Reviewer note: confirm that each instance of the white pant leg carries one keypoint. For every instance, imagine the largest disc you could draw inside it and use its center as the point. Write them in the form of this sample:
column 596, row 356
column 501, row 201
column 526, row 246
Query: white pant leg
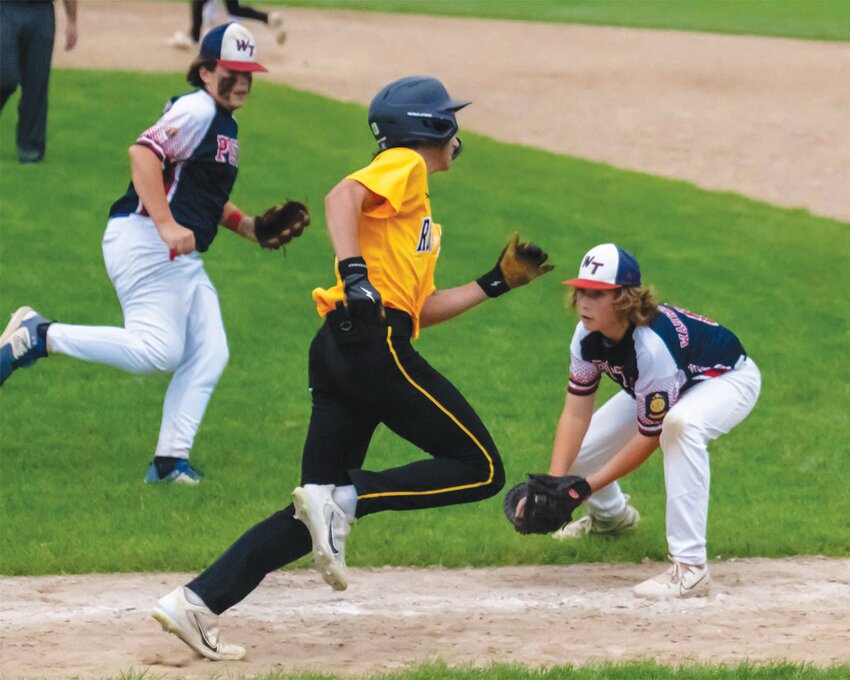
column 614, row 424
column 704, row 412
column 155, row 295
column 203, row 362
column 214, row 13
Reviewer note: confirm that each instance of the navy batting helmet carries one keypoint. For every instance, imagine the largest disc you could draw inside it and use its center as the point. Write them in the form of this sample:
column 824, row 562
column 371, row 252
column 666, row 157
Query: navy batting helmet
column 413, row 109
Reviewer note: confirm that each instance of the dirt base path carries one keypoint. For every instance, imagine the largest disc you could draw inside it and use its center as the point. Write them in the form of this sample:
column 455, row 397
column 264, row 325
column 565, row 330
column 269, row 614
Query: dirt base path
column 767, row 118
column 99, row 625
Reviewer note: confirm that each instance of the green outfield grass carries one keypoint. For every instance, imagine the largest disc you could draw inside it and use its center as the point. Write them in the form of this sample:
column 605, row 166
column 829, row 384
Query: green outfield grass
column 76, row 438
column 629, row 671
column 810, row 19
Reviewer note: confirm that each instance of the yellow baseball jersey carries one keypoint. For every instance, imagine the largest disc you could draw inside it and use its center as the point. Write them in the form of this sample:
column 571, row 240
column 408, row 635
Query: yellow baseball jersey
column 398, row 238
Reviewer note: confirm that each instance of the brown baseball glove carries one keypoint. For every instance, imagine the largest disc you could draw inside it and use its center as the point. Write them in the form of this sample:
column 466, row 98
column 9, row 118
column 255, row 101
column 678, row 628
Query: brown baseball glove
column 279, row 225
column 519, row 263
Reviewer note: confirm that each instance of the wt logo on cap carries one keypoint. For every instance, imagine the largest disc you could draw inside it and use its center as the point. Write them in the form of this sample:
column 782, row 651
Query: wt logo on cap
column 590, row 262
column 606, row 266
column 244, row 46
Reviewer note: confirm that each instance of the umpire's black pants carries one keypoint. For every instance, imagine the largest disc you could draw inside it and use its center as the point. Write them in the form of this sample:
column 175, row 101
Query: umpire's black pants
column 362, row 375
column 26, row 47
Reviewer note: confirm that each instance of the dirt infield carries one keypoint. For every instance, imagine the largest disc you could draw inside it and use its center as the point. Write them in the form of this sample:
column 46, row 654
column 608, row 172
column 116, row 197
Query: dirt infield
column 99, row 625
column 766, row 118
column 763, row 117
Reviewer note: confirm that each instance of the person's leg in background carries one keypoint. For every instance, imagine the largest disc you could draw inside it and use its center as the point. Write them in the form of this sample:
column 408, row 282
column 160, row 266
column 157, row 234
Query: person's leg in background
column 274, row 20
column 28, row 31
column 11, row 26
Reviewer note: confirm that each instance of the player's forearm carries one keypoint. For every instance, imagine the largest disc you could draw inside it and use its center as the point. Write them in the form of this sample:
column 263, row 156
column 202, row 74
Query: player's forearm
column 443, row 305
column 235, row 220
column 629, row 458
column 147, row 179
column 569, row 435
column 342, row 211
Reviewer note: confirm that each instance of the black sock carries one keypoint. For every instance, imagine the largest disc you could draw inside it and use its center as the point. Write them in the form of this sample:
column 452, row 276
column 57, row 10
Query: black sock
column 41, row 331
column 164, row 465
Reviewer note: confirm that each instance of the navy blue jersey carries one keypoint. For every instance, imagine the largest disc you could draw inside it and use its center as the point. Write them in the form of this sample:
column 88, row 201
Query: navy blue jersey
column 655, row 363
column 196, row 141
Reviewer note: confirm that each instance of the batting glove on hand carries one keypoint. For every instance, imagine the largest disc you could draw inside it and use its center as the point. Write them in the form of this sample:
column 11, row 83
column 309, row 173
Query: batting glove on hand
column 518, row 264
column 362, row 299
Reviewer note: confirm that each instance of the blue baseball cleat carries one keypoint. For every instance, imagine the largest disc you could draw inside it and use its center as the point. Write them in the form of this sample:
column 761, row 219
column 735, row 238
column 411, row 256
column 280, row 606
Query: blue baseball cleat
column 183, row 473
column 21, row 344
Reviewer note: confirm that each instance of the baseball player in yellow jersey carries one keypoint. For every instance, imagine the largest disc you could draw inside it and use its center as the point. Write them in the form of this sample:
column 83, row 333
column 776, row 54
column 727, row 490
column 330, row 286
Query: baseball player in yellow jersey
column 364, row 371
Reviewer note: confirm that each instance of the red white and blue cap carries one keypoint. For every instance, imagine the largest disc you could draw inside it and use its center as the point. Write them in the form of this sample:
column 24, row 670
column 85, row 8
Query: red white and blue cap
column 605, row 267
column 232, row 46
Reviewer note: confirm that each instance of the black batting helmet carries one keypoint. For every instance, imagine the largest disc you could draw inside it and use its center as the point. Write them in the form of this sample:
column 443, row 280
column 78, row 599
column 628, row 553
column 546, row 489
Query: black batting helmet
column 413, row 109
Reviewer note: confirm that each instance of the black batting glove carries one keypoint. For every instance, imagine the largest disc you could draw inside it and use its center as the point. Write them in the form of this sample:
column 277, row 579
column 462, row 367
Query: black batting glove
column 362, row 299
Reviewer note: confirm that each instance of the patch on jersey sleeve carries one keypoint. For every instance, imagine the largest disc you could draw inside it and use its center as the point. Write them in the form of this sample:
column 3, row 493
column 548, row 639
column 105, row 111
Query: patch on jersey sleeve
column 657, row 405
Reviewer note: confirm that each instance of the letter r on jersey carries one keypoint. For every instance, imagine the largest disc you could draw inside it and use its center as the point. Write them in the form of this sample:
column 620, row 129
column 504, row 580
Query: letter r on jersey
column 424, row 245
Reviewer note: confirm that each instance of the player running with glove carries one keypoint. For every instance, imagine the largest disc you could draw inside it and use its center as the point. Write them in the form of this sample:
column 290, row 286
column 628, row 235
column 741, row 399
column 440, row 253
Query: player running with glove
column 685, row 381
column 183, row 170
column 363, row 369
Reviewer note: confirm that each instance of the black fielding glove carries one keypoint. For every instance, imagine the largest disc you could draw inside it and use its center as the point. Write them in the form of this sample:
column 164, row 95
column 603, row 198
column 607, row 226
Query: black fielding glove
column 549, row 502
column 362, row 299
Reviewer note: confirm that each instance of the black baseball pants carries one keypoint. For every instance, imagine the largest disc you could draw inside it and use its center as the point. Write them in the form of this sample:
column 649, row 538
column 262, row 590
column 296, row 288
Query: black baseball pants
column 363, row 374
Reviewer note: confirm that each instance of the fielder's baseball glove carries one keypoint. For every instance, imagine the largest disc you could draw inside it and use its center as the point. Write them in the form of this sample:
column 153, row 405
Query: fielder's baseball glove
column 519, row 263
column 279, row 225
column 549, row 502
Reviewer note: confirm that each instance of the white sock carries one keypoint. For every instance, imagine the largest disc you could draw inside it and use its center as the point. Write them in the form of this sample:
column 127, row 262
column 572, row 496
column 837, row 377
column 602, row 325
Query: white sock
column 346, row 498
column 193, row 597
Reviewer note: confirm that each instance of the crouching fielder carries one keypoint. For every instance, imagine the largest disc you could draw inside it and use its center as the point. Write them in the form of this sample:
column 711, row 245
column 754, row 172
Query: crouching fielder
column 685, row 381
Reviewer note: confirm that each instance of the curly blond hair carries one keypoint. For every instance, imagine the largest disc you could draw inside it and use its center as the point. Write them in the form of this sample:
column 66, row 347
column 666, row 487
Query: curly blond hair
column 634, row 303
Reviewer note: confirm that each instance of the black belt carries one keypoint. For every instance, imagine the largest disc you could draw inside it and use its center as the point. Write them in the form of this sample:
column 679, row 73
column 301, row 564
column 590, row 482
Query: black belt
column 346, row 329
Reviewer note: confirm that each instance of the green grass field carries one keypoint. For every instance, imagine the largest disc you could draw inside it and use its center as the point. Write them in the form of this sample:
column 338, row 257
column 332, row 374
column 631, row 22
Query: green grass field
column 76, row 438
column 630, row 671
column 90, row 430
column 810, row 19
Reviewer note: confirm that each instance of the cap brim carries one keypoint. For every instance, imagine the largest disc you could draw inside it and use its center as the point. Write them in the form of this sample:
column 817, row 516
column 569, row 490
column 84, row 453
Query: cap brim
column 243, row 66
column 455, row 105
column 589, row 283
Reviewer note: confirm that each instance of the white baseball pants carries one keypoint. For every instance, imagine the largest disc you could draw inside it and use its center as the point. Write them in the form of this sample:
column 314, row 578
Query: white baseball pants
column 172, row 322
column 704, row 412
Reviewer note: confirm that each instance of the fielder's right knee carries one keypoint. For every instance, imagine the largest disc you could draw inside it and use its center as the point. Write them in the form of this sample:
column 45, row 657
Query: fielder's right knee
column 153, row 356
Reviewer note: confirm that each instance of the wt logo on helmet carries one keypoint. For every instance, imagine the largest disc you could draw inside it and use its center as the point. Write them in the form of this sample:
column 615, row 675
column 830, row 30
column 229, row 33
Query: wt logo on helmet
column 244, row 46
column 590, row 262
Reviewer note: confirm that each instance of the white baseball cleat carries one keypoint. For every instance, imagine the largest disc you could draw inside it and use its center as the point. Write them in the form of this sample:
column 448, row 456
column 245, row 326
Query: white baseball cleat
column 679, row 581
column 276, row 25
column 329, row 527
column 196, row 625
column 180, row 40
column 628, row 519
